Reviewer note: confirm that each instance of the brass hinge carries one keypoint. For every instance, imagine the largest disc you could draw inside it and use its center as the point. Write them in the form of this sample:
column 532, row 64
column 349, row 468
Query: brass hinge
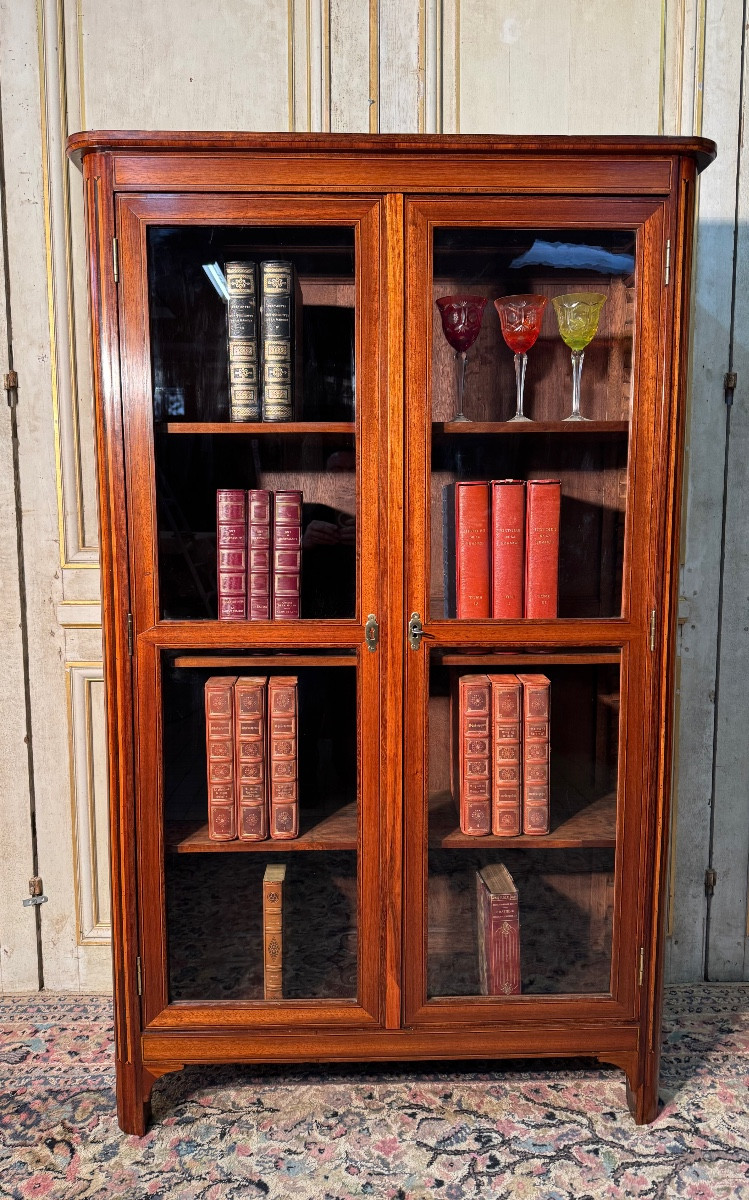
column 641, row 970
column 711, row 878
column 130, row 634
column 371, row 632
column 652, row 630
column 10, row 383
column 667, row 272
column 730, row 382
column 36, row 893
column 139, row 976
column 115, row 260
column 415, row 631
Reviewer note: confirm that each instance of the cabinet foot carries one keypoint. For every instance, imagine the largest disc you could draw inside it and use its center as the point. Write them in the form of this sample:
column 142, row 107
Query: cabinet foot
column 642, row 1098
column 134, row 1085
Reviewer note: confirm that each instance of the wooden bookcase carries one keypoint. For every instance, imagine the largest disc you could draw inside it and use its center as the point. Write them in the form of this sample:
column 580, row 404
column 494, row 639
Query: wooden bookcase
column 380, row 938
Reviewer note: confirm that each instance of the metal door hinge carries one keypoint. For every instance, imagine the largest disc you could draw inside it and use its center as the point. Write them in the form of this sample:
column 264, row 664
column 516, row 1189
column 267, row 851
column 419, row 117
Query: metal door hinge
column 730, row 382
column 371, row 632
column 711, row 878
column 641, row 970
column 415, row 631
column 130, row 634
column 139, row 976
column 36, row 893
column 10, row 383
column 652, row 630
column 667, row 272
column 115, row 260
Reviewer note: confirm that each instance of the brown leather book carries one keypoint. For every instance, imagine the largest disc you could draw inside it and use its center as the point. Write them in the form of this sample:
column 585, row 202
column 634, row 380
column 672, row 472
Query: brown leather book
column 244, row 380
column 259, row 511
column 472, row 550
column 498, row 931
column 219, row 745
column 287, row 556
column 250, row 746
column 474, row 753
column 231, row 543
column 507, row 697
column 273, row 882
column 536, row 753
column 284, row 775
column 508, row 547
column 542, row 548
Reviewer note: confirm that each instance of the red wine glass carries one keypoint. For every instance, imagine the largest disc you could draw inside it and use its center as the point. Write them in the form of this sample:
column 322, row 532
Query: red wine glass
column 461, row 324
column 520, row 317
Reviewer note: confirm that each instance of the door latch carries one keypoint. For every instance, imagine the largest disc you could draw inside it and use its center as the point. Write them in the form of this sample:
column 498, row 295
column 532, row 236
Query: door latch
column 415, row 631
column 36, row 893
column 371, row 632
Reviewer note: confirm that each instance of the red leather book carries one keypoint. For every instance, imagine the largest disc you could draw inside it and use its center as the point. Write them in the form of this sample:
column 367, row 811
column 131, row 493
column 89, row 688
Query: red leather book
column 536, row 753
column 284, row 775
column 472, row 550
column 498, row 931
column 259, row 509
column 507, row 697
column 508, row 547
column 474, row 754
column 231, row 541
column 219, row 742
column 250, row 744
column 287, row 556
column 542, row 548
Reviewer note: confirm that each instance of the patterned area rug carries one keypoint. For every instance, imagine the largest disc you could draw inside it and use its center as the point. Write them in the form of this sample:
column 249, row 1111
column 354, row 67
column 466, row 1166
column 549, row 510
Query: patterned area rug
column 393, row 1133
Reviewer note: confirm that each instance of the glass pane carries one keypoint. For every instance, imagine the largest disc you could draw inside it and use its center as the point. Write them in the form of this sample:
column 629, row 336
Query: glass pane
column 226, row 938
column 523, row 754
column 490, row 376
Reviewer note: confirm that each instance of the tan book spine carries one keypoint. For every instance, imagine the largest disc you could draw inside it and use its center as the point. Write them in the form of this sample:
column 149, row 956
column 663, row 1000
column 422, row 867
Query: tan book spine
column 273, row 881
column 282, row 720
column 219, row 740
column 474, row 750
column 536, row 753
column 507, row 697
column 250, row 748
column 498, row 931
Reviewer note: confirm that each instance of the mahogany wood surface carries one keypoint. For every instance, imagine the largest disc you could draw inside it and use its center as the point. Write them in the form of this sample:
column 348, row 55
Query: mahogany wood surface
column 393, row 192
column 333, row 831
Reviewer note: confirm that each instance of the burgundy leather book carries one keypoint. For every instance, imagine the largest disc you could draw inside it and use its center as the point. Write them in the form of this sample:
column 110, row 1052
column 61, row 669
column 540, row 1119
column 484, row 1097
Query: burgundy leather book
column 508, row 547
column 250, row 747
column 231, row 542
column 542, row 548
column 284, row 774
column 219, row 743
column 536, row 753
column 474, row 754
column 287, row 556
column 472, row 550
column 507, row 696
column 498, row 931
column 259, row 512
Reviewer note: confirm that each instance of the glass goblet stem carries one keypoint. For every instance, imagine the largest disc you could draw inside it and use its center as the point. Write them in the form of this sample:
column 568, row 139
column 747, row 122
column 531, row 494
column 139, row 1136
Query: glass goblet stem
column 577, row 370
column 460, row 363
column 521, row 361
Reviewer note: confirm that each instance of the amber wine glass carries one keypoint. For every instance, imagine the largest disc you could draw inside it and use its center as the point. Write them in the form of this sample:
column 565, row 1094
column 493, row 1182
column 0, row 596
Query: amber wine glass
column 520, row 318
column 461, row 325
column 577, row 314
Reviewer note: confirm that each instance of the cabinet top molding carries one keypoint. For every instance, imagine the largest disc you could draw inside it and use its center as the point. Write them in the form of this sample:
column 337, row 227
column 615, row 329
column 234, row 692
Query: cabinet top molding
column 159, row 142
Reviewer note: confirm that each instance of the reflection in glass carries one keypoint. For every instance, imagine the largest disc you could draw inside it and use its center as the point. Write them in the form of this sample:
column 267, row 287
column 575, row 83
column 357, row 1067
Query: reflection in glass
column 461, row 324
column 577, row 314
column 520, row 317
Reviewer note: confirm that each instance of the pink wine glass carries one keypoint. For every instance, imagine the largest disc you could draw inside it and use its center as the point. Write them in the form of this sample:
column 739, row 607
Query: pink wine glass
column 461, row 324
column 520, row 317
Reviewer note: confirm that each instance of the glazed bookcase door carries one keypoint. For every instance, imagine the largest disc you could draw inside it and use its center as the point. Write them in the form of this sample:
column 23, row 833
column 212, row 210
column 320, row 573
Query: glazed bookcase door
column 204, row 946
column 580, row 932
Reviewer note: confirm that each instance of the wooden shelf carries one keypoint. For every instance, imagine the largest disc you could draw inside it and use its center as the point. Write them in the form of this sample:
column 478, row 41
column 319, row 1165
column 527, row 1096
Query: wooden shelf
column 569, row 428
column 266, row 660
column 335, row 831
column 257, row 428
column 587, row 828
column 520, row 658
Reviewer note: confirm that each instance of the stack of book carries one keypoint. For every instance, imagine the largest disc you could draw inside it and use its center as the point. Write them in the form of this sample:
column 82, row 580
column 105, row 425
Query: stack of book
column 501, row 548
column 264, row 341
column 259, row 550
column 500, row 754
column 251, row 751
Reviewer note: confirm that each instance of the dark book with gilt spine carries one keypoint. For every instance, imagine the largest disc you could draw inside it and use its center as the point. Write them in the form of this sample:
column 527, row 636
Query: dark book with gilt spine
column 280, row 339
column 273, row 884
column 474, row 754
column 472, row 550
column 231, row 549
column 282, row 756
column 508, row 549
column 507, row 695
column 536, row 753
column 250, row 747
column 287, row 556
column 244, row 375
column 219, row 741
column 259, row 554
column 498, row 931
column 542, row 548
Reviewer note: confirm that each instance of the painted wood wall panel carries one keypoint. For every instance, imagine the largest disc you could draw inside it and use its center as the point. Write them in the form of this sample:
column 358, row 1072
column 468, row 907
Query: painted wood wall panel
column 351, row 76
